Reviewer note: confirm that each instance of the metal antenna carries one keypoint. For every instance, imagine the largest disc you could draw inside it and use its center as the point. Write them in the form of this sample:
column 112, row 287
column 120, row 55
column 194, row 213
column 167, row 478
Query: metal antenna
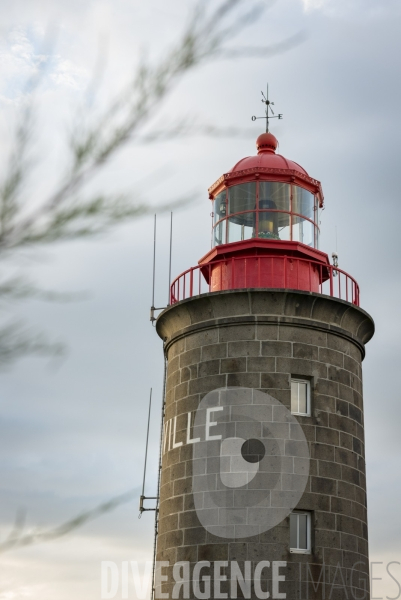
column 143, row 497
column 153, row 308
column 147, row 442
column 169, row 266
column 269, row 104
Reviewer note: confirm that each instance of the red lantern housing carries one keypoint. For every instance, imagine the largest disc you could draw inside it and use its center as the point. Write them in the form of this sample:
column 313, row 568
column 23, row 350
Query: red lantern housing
column 265, row 231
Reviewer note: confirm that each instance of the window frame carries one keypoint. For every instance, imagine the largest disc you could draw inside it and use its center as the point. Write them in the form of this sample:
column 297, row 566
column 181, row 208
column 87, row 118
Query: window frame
column 308, row 412
column 308, row 550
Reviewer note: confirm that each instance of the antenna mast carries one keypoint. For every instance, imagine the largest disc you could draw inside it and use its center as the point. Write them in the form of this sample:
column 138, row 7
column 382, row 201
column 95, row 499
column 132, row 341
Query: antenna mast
column 143, row 497
column 169, row 265
column 153, row 307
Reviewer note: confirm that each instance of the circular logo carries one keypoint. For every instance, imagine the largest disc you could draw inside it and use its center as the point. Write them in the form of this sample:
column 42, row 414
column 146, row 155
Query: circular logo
column 251, row 466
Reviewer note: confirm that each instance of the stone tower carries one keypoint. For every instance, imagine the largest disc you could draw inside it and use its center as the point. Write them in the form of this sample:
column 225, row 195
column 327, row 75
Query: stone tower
column 263, row 489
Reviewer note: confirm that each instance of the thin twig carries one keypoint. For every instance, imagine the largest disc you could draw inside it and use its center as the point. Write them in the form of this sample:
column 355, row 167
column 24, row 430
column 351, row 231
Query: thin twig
column 18, row 540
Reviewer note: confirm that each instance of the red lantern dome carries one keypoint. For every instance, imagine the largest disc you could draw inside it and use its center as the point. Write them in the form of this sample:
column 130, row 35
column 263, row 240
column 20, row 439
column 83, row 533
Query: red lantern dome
column 270, row 166
column 266, row 145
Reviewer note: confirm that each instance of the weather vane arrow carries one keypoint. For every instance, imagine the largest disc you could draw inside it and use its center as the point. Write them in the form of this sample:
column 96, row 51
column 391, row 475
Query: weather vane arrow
column 269, row 111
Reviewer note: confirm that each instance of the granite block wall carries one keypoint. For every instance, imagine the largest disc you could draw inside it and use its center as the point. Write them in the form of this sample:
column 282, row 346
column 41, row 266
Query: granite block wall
column 261, row 339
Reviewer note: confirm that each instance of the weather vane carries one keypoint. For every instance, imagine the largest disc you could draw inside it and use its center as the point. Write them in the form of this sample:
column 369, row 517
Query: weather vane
column 269, row 105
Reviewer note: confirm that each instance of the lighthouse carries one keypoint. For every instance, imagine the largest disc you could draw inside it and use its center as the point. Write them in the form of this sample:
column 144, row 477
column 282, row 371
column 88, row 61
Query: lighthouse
column 262, row 482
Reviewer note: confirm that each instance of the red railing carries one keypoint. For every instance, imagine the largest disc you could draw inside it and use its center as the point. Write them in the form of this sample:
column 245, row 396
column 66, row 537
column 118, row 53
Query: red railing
column 282, row 272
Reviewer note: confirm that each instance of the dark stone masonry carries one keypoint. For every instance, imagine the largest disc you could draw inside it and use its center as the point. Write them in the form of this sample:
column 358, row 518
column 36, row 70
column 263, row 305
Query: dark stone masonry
column 261, row 339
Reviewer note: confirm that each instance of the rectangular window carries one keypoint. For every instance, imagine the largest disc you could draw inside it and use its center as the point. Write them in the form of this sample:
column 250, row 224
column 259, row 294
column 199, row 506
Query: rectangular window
column 300, row 532
column 300, row 397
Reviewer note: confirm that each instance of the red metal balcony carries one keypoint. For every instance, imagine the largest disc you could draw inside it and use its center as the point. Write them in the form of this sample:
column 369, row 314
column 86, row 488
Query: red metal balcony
column 265, row 272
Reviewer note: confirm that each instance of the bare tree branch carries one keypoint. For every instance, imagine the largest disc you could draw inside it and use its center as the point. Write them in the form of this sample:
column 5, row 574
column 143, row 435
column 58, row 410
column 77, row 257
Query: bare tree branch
column 93, row 146
column 21, row 288
column 71, row 210
column 16, row 340
column 263, row 51
column 17, row 539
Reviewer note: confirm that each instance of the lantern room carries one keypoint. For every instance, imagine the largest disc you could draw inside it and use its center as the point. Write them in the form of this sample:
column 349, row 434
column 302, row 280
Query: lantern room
column 265, row 232
column 269, row 210
column 265, row 211
column 266, row 197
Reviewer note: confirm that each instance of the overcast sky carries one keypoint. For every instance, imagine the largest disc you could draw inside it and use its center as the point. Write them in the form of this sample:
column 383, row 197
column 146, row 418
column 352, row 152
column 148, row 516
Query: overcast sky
column 72, row 433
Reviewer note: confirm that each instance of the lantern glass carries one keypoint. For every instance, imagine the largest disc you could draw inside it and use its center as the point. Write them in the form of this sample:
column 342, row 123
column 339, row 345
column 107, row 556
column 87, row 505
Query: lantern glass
column 241, row 227
column 220, row 206
column 219, row 233
column 274, row 225
column 303, row 231
column 274, row 192
column 303, row 202
column 268, row 210
column 242, row 197
column 268, row 220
